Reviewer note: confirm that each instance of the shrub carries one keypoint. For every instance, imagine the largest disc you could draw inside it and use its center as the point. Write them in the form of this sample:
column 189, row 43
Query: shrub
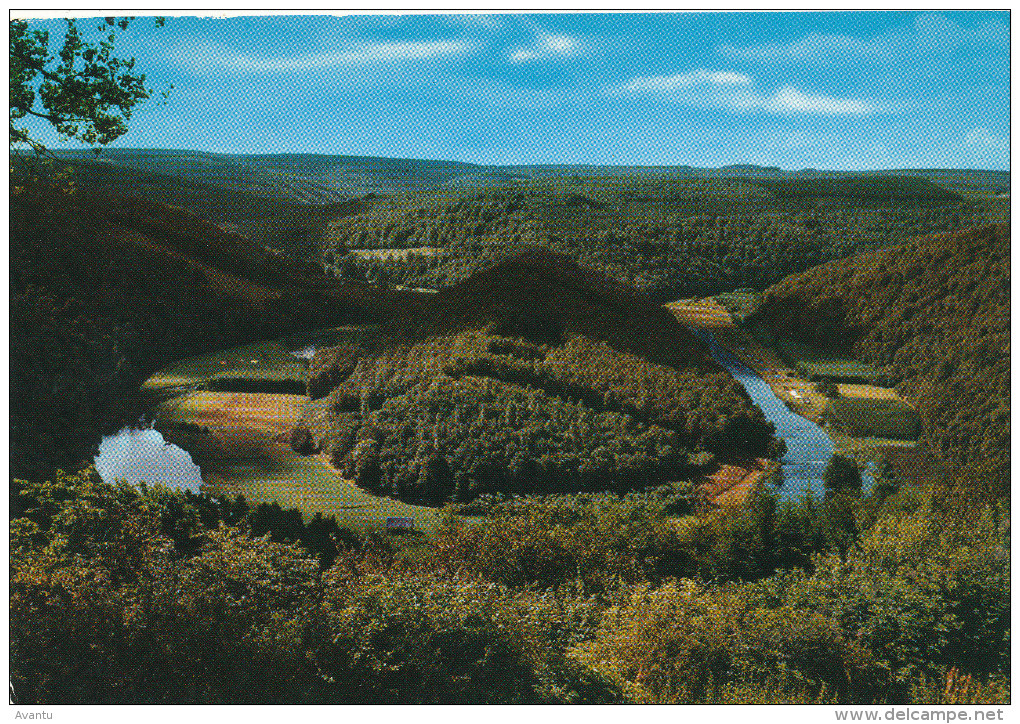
column 665, row 645
column 828, row 388
column 427, row 639
column 597, row 540
column 842, row 476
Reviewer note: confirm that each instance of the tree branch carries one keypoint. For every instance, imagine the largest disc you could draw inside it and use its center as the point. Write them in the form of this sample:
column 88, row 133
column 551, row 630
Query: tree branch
column 53, row 118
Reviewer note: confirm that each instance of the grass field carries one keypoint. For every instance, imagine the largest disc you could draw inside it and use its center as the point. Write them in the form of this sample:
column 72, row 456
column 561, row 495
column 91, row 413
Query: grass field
column 268, row 366
column 739, row 303
column 872, row 417
column 262, row 361
column 239, row 440
column 816, row 365
column 797, row 394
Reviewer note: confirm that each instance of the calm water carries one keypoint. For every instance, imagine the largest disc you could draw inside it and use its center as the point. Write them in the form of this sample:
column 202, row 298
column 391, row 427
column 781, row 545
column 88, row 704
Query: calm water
column 135, row 455
column 808, row 447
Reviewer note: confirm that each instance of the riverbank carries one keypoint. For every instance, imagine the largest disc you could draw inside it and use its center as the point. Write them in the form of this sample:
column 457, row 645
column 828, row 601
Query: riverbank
column 752, row 361
column 733, row 483
column 796, row 393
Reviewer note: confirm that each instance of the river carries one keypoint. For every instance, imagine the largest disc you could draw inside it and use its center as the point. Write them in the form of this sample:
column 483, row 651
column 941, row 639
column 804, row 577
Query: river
column 144, row 454
column 808, row 447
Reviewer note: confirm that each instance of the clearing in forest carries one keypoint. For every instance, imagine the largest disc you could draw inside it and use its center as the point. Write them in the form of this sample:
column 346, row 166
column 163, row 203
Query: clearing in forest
column 241, row 443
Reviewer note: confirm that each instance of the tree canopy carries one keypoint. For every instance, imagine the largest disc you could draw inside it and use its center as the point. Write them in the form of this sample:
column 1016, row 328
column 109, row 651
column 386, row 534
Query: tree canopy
column 83, row 90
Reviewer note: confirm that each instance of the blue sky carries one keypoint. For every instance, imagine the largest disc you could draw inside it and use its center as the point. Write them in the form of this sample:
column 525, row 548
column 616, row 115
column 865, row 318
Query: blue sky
column 822, row 90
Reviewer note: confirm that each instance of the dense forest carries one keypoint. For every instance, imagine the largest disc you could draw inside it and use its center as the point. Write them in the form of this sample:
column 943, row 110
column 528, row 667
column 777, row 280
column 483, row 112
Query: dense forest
column 548, row 378
column 136, row 595
column 679, row 238
column 933, row 314
column 559, row 414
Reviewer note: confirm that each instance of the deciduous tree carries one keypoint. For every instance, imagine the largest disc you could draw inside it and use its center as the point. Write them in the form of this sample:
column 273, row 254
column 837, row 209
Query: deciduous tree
column 85, row 91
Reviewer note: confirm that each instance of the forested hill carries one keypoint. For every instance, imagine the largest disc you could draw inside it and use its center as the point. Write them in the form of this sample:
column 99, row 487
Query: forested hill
column 534, row 376
column 672, row 237
column 934, row 314
column 105, row 290
column 547, row 297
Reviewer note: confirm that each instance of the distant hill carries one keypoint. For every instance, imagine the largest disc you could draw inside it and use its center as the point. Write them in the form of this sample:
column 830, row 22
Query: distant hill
column 750, row 168
column 670, row 235
column 535, row 375
column 277, row 200
column 934, row 314
column 867, row 189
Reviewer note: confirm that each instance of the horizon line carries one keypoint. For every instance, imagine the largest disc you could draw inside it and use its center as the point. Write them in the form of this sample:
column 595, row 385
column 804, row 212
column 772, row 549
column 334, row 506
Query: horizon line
column 518, row 165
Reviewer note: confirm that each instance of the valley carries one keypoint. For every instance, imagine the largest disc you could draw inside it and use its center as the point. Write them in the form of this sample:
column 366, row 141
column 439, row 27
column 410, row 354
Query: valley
column 513, row 358
column 566, row 403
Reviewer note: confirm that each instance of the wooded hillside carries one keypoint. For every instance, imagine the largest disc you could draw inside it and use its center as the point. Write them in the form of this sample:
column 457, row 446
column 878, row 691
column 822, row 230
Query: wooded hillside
column 933, row 313
column 106, row 290
column 536, row 375
column 673, row 237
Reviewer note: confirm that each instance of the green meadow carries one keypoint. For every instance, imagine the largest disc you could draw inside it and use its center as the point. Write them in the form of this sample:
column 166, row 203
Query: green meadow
column 815, row 365
column 869, row 417
column 234, row 422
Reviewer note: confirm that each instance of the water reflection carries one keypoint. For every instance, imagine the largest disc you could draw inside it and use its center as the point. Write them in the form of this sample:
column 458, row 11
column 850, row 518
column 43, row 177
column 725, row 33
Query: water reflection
column 142, row 454
column 808, row 447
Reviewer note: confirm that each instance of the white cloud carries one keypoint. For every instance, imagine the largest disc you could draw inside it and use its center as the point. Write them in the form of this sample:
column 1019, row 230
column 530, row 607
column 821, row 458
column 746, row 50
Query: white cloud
column 735, row 91
column 790, row 100
column 931, row 34
column 667, row 83
column 982, row 138
column 546, row 47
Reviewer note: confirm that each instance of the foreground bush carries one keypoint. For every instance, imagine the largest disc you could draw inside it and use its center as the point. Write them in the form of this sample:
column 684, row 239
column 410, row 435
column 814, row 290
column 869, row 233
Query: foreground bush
column 915, row 599
column 566, row 599
column 106, row 609
column 427, row 639
column 598, row 540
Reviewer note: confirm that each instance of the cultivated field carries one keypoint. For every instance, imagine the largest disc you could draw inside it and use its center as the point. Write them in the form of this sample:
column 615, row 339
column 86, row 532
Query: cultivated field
column 241, row 443
column 701, row 313
column 871, row 392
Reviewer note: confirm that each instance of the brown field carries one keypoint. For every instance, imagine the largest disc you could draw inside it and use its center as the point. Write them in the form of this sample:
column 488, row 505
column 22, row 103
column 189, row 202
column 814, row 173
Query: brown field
column 869, row 392
column 705, row 313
